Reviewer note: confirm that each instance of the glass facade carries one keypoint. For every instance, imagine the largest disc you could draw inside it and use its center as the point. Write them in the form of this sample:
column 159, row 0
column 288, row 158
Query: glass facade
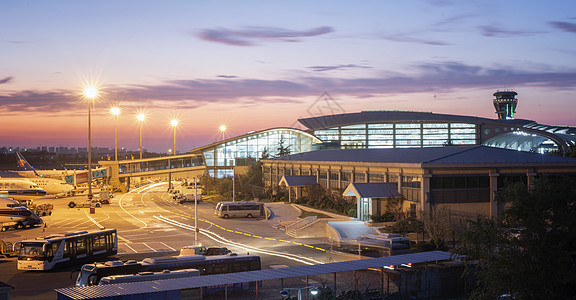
column 401, row 135
column 240, row 151
column 158, row 164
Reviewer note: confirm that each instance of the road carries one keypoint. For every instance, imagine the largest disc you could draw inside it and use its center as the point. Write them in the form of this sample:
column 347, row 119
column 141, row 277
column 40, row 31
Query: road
column 150, row 223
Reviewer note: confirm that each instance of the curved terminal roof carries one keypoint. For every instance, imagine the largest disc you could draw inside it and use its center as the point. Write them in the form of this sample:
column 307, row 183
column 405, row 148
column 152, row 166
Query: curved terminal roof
column 517, row 134
column 323, row 122
column 256, row 133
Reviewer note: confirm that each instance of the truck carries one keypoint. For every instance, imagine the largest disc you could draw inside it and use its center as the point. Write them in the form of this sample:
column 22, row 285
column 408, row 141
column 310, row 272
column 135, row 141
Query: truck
column 182, row 198
column 42, row 209
column 104, row 197
column 202, row 250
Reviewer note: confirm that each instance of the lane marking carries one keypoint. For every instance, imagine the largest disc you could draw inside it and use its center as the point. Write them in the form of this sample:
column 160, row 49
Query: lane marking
column 168, row 246
column 239, row 232
column 131, row 248
column 222, row 240
column 149, row 247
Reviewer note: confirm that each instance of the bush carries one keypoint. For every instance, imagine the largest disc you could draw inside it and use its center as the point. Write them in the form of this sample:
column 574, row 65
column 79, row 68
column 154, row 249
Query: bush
column 405, row 226
column 387, row 216
column 424, row 246
column 352, row 212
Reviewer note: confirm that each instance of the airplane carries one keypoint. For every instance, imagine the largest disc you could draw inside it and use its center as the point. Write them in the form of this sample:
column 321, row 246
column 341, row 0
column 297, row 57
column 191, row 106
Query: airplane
column 20, row 189
column 52, row 186
column 26, row 170
column 14, row 214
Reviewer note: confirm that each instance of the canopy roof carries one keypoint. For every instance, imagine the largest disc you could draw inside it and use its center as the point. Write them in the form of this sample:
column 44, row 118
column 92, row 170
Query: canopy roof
column 372, row 190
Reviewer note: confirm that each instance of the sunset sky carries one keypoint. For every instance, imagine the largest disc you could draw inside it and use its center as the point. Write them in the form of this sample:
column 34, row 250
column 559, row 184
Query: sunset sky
column 261, row 64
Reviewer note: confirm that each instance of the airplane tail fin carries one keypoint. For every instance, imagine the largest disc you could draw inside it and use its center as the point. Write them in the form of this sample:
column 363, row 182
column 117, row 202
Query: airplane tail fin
column 23, row 165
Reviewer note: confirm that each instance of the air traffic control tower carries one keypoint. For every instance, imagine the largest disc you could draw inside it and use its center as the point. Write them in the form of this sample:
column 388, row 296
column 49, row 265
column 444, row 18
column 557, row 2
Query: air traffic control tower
column 505, row 104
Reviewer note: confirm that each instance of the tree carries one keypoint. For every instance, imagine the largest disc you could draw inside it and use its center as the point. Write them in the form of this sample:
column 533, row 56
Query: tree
column 251, row 184
column 282, row 151
column 265, row 154
column 531, row 253
column 437, row 225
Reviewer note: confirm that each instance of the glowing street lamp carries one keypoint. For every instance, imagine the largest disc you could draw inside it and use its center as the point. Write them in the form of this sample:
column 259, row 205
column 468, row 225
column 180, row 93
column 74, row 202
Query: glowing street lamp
column 141, row 118
column 90, row 93
column 115, row 111
column 174, row 124
column 223, row 130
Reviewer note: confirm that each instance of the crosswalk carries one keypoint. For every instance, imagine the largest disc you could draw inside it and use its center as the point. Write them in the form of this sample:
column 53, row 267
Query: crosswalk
column 148, row 247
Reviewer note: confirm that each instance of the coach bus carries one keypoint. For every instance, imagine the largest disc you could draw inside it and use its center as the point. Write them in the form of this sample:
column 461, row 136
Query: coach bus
column 91, row 274
column 67, row 249
column 149, row 276
column 242, row 209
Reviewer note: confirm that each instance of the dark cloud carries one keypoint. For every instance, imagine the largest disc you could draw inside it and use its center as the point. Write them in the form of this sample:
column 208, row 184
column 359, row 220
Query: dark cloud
column 31, row 101
column 337, row 67
column 407, row 39
column 494, row 31
column 6, row 80
column 252, row 35
column 186, row 94
column 227, row 76
column 569, row 27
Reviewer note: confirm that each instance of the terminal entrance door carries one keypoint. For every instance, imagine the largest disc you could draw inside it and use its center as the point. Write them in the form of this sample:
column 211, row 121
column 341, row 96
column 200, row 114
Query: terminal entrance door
column 364, row 208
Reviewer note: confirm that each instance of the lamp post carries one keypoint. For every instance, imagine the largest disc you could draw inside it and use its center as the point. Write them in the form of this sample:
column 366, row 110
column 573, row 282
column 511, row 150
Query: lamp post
column 223, row 130
column 115, row 111
column 141, row 118
column 90, row 93
column 174, row 124
column 196, row 229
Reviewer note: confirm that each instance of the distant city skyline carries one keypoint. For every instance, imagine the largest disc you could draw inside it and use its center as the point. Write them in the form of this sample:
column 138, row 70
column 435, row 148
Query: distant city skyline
column 261, row 64
column 65, row 150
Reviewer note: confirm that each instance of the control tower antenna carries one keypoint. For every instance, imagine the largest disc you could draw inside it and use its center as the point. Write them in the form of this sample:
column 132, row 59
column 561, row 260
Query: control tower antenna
column 505, row 103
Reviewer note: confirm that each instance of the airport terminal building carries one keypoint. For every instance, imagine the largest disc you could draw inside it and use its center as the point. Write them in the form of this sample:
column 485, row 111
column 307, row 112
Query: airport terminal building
column 425, row 159
column 463, row 179
column 393, row 129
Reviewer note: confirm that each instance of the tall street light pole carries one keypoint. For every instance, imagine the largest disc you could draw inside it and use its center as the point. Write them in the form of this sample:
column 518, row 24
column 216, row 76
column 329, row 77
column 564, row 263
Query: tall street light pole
column 223, row 130
column 141, row 118
column 90, row 93
column 196, row 229
column 115, row 111
column 174, row 124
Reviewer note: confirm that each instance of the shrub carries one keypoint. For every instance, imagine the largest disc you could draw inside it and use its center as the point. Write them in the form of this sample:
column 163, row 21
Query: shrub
column 352, row 212
column 405, row 226
column 387, row 216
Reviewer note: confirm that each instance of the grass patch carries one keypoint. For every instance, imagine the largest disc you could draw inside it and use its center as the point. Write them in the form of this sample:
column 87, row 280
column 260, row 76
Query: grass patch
column 214, row 199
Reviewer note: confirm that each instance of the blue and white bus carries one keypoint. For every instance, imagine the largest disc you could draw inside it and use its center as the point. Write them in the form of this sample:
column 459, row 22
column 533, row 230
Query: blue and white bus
column 67, row 249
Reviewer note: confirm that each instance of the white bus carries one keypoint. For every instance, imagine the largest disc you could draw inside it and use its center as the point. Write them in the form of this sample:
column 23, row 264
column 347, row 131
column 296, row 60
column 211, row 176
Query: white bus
column 242, row 209
column 66, row 249
column 149, row 276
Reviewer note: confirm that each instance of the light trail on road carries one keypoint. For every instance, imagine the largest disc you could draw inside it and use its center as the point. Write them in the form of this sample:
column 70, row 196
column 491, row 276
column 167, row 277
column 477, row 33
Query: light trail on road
column 137, row 191
column 222, row 240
